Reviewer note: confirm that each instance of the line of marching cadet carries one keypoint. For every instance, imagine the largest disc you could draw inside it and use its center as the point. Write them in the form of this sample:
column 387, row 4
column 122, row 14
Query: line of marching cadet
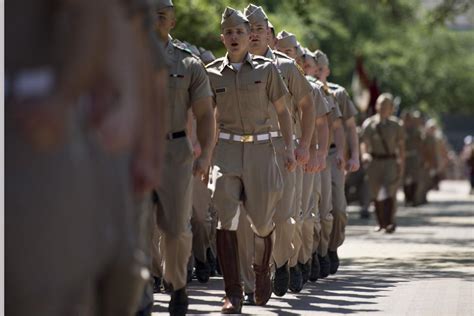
column 129, row 163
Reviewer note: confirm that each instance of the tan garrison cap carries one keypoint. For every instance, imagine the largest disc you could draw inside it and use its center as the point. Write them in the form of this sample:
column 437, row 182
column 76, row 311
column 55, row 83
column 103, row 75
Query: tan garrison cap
column 255, row 14
column 384, row 98
column 321, row 58
column 232, row 18
column 161, row 4
column 270, row 25
column 286, row 40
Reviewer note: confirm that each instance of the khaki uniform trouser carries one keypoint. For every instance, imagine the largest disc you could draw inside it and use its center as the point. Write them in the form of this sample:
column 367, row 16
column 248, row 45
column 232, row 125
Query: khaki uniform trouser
column 173, row 213
column 201, row 220
column 383, row 173
column 339, row 204
column 69, row 233
column 247, row 172
column 298, row 215
column 325, row 207
column 316, row 212
column 303, row 238
column 284, row 214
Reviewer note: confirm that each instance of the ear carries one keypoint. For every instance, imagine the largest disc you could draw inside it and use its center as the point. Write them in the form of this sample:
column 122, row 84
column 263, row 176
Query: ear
column 222, row 38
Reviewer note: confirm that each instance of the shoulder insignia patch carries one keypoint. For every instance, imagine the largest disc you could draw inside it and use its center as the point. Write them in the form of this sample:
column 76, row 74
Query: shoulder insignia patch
column 215, row 62
column 281, row 55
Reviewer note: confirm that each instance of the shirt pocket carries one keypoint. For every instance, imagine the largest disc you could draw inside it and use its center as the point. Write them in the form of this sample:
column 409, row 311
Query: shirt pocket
column 254, row 99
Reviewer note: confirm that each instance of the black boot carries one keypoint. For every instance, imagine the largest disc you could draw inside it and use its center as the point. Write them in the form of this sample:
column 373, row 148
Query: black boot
column 389, row 212
column 296, row 279
column 212, row 262
column 202, row 270
column 305, row 271
column 379, row 213
column 324, row 266
column 334, row 259
column 315, row 268
column 156, row 284
column 281, row 280
column 249, row 299
column 179, row 303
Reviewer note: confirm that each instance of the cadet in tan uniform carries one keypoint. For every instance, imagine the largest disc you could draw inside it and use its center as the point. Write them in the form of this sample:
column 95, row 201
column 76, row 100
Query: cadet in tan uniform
column 244, row 162
column 301, row 104
column 339, row 203
column 383, row 146
column 320, row 264
column 304, row 178
column 413, row 152
column 189, row 88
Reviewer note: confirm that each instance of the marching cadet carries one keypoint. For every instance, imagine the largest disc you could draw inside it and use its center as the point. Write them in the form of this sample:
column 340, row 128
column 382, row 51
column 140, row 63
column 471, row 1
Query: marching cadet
column 383, row 147
column 320, row 264
column 300, row 104
column 413, row 151
column 339, row 203
column 304, row 180
column 189, row 88
column 244, row 161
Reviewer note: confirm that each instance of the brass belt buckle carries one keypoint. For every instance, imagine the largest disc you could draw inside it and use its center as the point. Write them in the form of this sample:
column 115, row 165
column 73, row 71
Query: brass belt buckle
column 246, row 138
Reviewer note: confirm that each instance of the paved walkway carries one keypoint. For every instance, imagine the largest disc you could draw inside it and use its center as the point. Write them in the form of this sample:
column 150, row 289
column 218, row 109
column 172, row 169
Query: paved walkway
column 425, row 268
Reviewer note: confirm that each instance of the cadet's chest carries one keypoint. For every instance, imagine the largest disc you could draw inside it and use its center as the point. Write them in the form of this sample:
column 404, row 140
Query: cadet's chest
column 179, row 74
column 245, row 82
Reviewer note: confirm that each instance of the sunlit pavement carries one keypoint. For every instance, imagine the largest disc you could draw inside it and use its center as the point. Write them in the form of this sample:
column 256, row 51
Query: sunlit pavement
column 425, row 268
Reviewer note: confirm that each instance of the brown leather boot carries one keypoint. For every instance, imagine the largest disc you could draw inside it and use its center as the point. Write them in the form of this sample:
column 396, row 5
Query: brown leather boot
column 263, row 284
column 227, row 252
column 379, row 214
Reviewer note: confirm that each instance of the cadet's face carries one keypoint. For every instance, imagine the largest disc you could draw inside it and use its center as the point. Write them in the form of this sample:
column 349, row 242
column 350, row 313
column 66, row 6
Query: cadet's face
column 236, row 39
column 322, row 72
column 259, row 36
column 309, row 66
column 385, row 109
column 290, row 52
column 165, row 21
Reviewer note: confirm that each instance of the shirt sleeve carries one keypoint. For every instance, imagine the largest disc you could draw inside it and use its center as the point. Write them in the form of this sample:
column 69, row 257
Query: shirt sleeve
column 347, row 107
column 298, row 85
column 200, row 85
column 276, row 87
column 320, row 102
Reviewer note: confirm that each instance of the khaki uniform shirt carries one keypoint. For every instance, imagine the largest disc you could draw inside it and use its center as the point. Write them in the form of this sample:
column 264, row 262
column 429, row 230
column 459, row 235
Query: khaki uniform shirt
column 296, row 83
column 346, row 106
column 188, row 82
column 333, row 105
column 243, row 97
column 391, row 130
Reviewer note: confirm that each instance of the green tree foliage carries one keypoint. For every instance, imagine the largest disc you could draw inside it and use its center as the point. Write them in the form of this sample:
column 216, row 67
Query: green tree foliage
column 409, row 51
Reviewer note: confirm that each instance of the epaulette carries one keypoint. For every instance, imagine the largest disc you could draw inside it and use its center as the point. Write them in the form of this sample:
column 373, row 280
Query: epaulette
column 282, row 55
column 311, row 79
column 334, row 86
column 182, row 46
column 261, row 58
column 218, row 60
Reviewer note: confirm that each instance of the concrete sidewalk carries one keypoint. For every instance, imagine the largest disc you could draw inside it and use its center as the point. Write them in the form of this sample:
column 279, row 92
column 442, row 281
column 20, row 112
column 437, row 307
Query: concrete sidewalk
column 425, row 268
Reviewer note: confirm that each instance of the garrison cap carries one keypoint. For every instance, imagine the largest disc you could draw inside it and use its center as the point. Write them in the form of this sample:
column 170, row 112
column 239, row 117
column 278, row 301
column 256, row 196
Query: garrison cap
column 300, row 50
column 384, row 98
column 321, row 58
column 232, row 17
column 286, row 40
column 255, row 14
column 161, row 4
